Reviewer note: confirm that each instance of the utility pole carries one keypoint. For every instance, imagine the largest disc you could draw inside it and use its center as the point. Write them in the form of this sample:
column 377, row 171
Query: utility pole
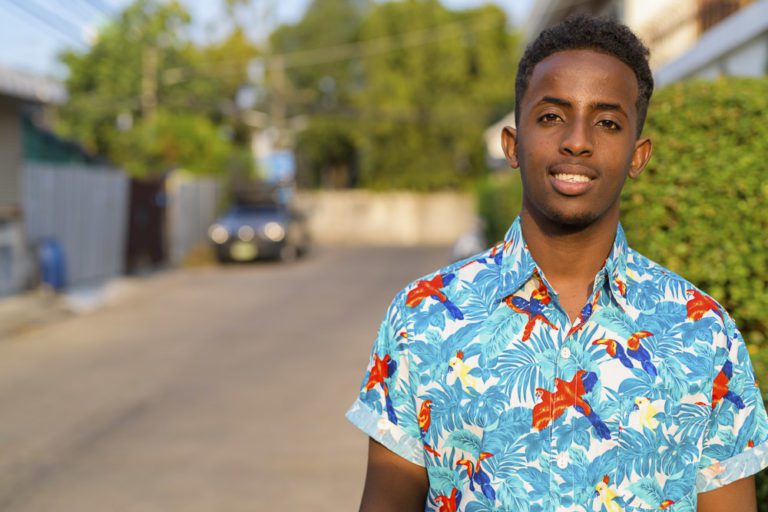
column 278, row 108
column 149, row 65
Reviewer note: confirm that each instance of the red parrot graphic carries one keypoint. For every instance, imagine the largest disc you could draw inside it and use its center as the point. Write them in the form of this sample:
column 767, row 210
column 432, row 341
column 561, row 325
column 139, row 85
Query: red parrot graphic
column 433, row 288
column 720, row 387
column 449, row 503
column 568, row 394
column 698, row 305
column 533, row 308
column 666, row 504
column 425, row 418
column 383, row 368
column 477, row 476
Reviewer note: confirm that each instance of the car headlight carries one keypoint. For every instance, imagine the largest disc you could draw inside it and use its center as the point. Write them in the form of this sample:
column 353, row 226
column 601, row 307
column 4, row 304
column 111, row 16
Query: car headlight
column 218, row 233
column 274, row 231
column 246, row 233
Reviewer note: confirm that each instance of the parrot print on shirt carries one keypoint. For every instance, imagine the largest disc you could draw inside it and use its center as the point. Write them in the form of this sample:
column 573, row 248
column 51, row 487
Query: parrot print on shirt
column 644, row 401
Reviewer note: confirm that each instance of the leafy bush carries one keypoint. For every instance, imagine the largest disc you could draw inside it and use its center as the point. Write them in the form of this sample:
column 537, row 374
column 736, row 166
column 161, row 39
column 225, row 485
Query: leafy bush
column 699, row 209
column 498, row 198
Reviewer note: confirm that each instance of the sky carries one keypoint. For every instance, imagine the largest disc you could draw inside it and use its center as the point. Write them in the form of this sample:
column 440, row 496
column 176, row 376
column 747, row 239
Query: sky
column 35, row 31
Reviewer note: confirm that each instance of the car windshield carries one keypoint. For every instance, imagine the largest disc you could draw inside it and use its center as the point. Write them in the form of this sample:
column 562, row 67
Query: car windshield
column 254, row 209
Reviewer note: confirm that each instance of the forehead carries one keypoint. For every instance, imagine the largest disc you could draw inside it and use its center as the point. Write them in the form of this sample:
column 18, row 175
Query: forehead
column 583, row 75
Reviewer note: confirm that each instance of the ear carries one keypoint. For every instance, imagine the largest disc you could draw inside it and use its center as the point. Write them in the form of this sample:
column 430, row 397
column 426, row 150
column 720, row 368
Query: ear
column 640, row 157
column 509, row 145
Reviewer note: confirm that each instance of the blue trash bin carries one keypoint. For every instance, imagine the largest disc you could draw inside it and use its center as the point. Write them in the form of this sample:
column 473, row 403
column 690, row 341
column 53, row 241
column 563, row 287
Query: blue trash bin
column 52, row 264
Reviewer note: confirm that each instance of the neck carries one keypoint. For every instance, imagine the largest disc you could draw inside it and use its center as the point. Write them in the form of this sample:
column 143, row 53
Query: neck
column 568, row 255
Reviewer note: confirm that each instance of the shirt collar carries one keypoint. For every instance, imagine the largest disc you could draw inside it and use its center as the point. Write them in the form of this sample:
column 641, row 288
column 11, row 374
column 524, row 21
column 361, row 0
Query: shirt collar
column 517, row 265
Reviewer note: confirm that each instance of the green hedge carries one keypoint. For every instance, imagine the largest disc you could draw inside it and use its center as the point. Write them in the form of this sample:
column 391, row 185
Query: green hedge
column 701, row 206
column 498, row 198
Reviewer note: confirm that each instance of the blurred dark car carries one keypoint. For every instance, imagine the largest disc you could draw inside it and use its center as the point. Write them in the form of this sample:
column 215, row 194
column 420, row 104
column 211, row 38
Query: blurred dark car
column 250, row 231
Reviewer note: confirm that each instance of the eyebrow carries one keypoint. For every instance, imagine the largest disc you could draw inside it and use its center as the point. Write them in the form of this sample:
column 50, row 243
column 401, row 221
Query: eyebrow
column 601, row 105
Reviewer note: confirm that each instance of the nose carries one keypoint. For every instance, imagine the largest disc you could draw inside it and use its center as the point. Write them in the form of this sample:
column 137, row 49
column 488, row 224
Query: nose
column 577, row 140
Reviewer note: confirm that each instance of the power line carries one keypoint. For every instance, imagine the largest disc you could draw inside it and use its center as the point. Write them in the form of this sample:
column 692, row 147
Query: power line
column 101, row 7
column 62, row 27
column 384, row 44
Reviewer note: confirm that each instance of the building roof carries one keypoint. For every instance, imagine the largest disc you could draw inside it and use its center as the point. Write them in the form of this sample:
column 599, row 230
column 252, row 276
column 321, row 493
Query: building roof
column 728, row 35
column 26, row 86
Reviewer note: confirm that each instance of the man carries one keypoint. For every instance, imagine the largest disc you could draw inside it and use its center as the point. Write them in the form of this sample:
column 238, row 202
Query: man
column 561, row 370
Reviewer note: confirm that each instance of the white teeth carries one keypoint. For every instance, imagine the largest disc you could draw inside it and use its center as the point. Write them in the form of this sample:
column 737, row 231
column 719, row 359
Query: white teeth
column 572, row 178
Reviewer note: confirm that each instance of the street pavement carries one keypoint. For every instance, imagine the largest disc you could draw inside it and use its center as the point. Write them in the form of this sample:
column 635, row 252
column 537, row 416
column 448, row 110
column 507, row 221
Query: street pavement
column 208, row 389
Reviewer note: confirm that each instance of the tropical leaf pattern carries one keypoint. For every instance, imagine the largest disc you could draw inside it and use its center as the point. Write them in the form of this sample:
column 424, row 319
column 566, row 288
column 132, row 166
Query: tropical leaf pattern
column 645, row 400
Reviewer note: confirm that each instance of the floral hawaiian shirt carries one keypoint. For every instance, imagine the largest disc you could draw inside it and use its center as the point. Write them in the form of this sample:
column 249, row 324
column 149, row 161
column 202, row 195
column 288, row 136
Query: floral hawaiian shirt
column 647, row 399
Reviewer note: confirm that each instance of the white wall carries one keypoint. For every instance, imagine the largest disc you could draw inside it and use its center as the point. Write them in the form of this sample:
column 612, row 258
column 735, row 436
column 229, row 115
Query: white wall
column 393, row 218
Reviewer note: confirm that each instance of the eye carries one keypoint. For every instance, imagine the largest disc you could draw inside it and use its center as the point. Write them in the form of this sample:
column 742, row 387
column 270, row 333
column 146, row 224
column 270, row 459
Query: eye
column 548, row 118
column 608, row 123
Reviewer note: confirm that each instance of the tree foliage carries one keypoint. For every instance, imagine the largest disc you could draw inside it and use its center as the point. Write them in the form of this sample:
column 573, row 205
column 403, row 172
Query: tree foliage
column 150, row 99
column 412, row 84
column 427, row 101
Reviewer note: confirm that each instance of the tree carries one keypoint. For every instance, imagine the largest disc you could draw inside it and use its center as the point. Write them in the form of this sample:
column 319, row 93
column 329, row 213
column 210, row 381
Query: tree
column 411, row 85
column 149, row 99
column 427, row 100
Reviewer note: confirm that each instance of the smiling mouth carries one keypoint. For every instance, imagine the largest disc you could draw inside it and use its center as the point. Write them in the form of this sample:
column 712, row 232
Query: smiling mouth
column 572, row 178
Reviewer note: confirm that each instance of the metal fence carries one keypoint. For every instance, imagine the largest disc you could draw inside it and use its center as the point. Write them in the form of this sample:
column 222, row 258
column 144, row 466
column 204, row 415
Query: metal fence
column 83, row 208
column 193, row 204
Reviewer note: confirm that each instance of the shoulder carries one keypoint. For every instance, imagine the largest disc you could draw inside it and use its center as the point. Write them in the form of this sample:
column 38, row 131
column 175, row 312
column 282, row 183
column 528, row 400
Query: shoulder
column 445, row 290
column 653, row 288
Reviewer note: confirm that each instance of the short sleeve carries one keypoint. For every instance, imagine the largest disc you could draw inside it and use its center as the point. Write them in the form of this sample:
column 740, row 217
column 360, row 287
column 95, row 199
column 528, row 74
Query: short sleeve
column 736, row 440
column 385, row 409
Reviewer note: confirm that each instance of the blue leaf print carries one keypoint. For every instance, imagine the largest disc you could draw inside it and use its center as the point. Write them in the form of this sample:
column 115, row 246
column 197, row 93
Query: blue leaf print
column 497, row 331
column 443, row 479
column 677, row 454
column 520, row 372
column 512, row 494
column 637, row 453
column 648, row 490
column 485, row 408
column 701, row 330
column 692, row 419
column 644, row 295
column 674, row 377
column 507, row 460
column 466, row 441
column 642, row 386
column 615, row 320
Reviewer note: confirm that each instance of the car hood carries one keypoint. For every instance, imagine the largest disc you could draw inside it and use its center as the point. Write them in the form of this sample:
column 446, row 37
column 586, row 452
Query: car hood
column 256, row 221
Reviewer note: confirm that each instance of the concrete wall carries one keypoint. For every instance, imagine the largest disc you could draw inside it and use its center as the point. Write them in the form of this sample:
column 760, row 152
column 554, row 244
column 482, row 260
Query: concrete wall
column 11, row 152
column 393, row 218
column 16, row 266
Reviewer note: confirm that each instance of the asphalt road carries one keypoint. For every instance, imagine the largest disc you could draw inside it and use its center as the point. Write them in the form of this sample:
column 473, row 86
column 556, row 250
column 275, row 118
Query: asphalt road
column 209, row 389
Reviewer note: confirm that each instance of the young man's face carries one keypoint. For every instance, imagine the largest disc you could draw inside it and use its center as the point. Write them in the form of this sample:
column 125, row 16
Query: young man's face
column 577, row 138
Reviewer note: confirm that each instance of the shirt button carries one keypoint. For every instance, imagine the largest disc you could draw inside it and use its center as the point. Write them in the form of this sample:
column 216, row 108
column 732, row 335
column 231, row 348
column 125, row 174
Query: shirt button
column 565, row 353
column 562, row 460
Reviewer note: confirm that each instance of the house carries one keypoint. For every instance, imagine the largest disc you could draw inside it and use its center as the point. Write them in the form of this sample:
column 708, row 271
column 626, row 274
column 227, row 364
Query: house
column 21, row 96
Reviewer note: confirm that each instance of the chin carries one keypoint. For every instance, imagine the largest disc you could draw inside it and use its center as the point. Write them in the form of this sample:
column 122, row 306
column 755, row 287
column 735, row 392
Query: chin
column 577, row 219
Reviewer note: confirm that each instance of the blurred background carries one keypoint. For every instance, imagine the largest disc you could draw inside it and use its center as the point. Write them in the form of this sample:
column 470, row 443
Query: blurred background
column 206, row 206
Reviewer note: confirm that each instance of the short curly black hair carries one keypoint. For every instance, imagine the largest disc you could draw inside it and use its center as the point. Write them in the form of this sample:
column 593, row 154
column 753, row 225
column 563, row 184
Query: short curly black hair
column 584, row 32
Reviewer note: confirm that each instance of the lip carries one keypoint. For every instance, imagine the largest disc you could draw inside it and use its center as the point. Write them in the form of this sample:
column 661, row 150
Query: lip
column 568, row 188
